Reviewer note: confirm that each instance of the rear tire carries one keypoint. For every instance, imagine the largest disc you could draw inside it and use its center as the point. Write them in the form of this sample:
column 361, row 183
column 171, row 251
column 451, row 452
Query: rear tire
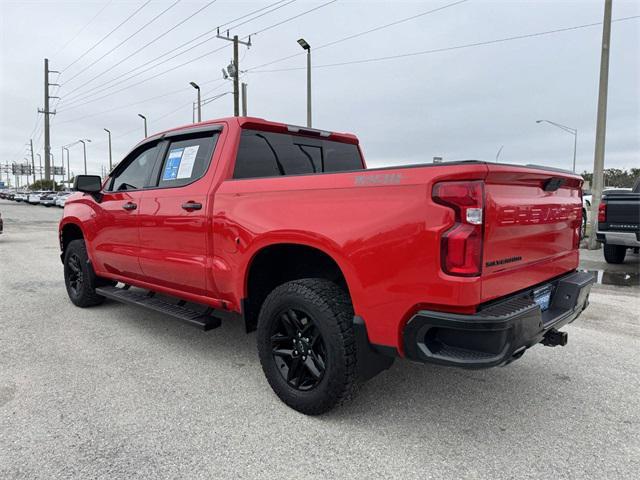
column 307, row 346
column 614, row 253
column 79, row 277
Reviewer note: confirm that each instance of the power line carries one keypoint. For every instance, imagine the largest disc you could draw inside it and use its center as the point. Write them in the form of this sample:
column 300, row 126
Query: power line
column 360, row 34
column 166, row 32
column 446, row 49
column 107, row 35
column 392, row 24
column 204, row 55
column 100, row 89
column 163, row 95
column 290, row 19
column 89, row 100
column 125, row 40
column 164, row 115
column 237, row 25
column 83, row 28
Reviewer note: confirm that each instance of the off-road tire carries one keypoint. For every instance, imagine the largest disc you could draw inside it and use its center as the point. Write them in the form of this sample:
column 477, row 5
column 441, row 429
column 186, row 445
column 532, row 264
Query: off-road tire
column 614, row 253
column 329, row 308
column 84, row 293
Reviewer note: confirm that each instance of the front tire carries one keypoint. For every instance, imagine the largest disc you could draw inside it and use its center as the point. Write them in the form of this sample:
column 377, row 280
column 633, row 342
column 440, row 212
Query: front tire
column 306, row 345
column 79, row 277
column 614, row 253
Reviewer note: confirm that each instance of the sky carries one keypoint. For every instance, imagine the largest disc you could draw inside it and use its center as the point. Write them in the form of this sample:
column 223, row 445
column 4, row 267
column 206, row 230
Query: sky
column 454, row 101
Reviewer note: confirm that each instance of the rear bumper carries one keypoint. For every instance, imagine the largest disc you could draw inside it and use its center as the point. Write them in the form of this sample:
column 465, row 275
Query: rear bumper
column 627, row 239
column 500, row 332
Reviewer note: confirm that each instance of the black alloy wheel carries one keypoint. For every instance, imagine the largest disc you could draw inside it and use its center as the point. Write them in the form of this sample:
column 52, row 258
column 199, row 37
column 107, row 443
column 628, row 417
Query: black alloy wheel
column 75, row 277
column 307, row 346
column 298, row 349
column 79, row 277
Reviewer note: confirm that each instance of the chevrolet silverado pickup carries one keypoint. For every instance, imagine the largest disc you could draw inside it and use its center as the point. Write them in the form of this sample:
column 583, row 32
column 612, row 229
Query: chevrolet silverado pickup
column 619, row 223
column 340, row 269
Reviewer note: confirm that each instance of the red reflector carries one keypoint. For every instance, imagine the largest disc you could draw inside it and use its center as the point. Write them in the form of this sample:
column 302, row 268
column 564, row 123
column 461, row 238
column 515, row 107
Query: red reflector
column 461, row 245
column 602, row 212
column 462, row 250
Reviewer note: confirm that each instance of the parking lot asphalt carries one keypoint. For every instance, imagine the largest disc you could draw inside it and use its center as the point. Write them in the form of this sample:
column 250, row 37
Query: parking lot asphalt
column 119, row 392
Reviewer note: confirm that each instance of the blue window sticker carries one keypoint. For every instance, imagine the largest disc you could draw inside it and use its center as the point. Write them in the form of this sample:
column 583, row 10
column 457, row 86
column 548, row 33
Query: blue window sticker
column 173, row 164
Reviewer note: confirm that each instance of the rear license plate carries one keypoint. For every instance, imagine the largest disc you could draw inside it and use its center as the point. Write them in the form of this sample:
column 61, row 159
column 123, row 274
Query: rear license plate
column 542, row 297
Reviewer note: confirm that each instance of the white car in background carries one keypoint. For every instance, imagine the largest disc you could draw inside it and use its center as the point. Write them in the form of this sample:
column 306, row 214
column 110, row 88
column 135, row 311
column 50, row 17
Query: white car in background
column 21, row 196
column 33, row 198
column 48, row 199
column 62, row 198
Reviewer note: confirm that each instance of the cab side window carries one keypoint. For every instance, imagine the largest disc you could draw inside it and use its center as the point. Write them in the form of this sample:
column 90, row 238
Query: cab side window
column 186, row 159
column 137, row 172
column 269, row 154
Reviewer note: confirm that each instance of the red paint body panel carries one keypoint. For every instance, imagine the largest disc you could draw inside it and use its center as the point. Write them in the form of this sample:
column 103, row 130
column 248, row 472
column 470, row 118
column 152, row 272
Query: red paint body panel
column 381, row 227
column 523, row 220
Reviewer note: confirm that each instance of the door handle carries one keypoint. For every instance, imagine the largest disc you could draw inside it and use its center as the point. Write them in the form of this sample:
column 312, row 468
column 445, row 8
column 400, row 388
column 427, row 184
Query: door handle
column 130, row 206
column 192, row 206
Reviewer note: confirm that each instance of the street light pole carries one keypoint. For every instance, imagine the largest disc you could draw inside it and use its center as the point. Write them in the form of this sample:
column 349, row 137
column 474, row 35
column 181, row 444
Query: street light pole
column 62, row 161
column 68, row 171
column 40, row 165
column 244, row 99
column 303, row 43
column 110, row 160
column 145, row 124
column 197, row 87
column 53, row 170
column 572, row 131
column 84, row 150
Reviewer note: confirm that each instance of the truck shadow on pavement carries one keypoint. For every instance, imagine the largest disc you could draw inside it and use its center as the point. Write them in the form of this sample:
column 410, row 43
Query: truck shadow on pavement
column 408, row 393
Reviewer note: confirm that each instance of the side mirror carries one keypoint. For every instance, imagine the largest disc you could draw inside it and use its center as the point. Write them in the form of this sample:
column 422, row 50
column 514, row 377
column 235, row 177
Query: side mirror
column 88, row 184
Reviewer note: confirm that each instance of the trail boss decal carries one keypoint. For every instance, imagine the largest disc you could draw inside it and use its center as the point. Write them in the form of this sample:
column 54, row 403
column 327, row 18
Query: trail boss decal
column 379, row 179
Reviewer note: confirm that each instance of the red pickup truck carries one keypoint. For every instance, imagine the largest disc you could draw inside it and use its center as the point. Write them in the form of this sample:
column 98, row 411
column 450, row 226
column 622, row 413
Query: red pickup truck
column 340, row 268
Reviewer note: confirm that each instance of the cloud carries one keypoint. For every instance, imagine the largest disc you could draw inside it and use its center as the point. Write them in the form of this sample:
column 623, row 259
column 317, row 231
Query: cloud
column 460, row 104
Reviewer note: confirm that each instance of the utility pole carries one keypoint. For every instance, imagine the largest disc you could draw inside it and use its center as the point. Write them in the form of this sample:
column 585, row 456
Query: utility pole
column 236, row 77
column 601, row 126
column 244, row 99
column 110, row 157
column 235, row 73
column 46, row 112
column 33, row 162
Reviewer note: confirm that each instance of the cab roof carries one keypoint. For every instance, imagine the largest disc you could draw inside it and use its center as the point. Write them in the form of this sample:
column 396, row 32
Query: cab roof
column 256, row 123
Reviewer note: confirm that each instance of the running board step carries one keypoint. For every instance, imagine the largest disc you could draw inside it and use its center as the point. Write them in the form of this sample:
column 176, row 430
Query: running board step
column 194, row 318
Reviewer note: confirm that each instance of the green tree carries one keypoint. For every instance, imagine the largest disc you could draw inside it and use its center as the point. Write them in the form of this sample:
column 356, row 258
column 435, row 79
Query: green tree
column 616, row 177
column 45, row 185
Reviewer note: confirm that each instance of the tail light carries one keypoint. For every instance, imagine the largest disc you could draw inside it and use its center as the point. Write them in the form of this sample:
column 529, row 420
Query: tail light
column 461, row 245
column 602, row 211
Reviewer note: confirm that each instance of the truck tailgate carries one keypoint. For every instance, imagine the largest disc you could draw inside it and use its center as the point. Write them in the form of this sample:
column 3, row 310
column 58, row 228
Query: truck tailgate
column 532, row 224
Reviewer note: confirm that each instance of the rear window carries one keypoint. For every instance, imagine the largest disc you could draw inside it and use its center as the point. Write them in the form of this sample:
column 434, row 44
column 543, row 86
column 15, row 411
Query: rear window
column 266, row 154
